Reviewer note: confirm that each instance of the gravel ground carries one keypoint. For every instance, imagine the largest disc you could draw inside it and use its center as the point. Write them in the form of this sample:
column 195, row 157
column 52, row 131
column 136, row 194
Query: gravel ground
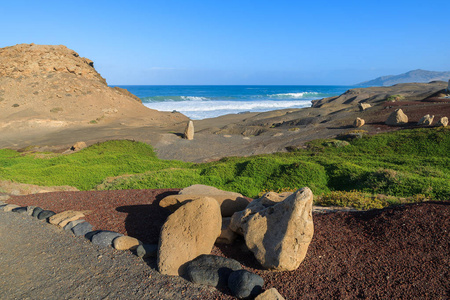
column 396, row 253
column 41, row 261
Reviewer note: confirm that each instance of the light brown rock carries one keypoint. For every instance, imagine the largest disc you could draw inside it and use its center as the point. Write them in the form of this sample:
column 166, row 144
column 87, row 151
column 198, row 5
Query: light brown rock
column 228, row 204
column 279, row 235
column 364, row 106
column 358, row 123
column 189, row 131
column 200, row 189
column 397, row 118
column 61, row 219
column 189, row 232
column 9, row 207
column 426, row 120
column 270, row 294
column 257, row 205
column 227, row 236
column 126, row 243
column 443, row 122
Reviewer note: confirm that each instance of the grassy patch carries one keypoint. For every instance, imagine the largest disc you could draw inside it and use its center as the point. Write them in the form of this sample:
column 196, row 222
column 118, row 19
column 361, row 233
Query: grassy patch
column 409, row 164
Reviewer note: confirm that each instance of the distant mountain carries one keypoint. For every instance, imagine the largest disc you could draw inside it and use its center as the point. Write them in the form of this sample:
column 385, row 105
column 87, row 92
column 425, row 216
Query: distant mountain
column 421, row 76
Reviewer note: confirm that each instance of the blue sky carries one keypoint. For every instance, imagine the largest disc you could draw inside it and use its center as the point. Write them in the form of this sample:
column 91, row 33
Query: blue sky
column 239, row 42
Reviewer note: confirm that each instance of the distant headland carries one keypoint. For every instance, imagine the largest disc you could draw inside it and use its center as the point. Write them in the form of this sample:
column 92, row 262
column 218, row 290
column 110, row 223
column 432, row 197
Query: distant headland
column 420, row 76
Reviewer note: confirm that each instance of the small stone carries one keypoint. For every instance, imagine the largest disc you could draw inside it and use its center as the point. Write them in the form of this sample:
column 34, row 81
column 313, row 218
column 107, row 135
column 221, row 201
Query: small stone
column 211, row 270
column 10, row 207
column 72, row 224
column 45, row 214
column 36, row 212
column 105, row 238
column 147, row 250
column 244, row 284
column 443, row 122
column 126, row 243
column 189, row 131
column 270, row 294
column 82, row 229
column 61, row 219
column 364, row 106
column 358, row 123
column 426, row 120
column 20, row 210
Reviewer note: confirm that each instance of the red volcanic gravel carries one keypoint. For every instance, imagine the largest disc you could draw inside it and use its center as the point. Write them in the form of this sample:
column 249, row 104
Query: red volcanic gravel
column 395, row 253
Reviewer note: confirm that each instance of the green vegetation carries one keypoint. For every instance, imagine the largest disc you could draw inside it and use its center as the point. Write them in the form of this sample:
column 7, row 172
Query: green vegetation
column 408, row 166
column 394, row 98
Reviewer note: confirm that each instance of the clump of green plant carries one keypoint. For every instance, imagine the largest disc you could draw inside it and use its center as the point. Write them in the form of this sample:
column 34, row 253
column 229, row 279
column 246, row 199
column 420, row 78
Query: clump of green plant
column 355, row 199
column 394, row 98
column 56, row 109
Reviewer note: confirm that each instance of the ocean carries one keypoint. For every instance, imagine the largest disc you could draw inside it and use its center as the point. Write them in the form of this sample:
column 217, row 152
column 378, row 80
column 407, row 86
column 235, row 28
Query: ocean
column 207, row 101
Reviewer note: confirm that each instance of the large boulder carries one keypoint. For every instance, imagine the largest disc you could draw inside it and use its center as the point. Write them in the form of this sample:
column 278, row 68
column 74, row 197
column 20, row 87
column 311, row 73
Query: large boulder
column 257, row 205
column 278, row 234
column 206, row 190
column 189, row 232
column 426, row 120
column 229, row 204
column 397, row 118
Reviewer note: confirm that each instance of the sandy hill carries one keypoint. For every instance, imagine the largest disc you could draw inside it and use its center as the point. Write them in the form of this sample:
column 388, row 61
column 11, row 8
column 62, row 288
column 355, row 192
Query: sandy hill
column 420, row 76
column 51, row 87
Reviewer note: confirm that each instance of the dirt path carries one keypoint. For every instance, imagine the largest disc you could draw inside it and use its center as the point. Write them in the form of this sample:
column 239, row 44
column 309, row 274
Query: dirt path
column 40, row 261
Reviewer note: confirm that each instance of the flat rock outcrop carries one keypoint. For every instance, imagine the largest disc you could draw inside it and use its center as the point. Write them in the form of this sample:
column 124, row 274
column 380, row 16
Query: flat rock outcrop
column 187, row 233
column 230, row 202
column 279, row 234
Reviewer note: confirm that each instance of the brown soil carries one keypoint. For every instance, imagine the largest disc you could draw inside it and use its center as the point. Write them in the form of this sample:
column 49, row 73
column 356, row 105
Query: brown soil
column 395, row 253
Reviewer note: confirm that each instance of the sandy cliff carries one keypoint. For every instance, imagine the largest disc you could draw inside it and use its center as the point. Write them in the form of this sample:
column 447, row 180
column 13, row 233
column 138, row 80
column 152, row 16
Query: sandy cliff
column 51, row 88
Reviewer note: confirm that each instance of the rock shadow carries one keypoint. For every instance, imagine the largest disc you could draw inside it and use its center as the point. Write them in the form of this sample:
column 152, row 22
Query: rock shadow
column 144, row 221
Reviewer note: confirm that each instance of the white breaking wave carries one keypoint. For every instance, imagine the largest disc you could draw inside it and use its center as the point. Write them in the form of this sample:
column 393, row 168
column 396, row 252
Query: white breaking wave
column 209, row 109
column 294, row 95
column 194, row 98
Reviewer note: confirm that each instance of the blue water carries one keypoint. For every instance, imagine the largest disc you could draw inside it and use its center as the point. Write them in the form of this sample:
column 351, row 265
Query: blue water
column 200, row 102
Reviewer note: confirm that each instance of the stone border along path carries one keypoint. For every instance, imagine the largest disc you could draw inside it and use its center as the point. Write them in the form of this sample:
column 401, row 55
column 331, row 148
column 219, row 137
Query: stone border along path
column 242, row 283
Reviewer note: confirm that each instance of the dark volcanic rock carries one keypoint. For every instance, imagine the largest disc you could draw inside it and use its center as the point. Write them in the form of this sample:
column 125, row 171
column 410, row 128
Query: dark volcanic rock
column 211, row 270
column 45, row 214
column 82, row 229
column 20, row 210
column 244, row 284
column 104, row 238
column 36, row 212
column 72, row 224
